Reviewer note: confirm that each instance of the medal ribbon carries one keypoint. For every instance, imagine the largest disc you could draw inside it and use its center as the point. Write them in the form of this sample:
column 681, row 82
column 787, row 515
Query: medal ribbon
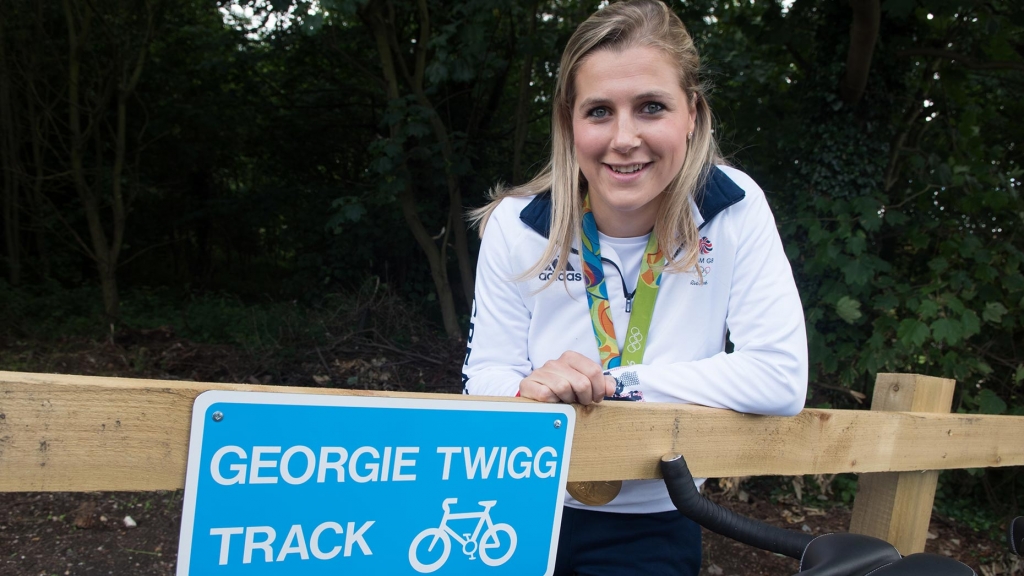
column 651, row 267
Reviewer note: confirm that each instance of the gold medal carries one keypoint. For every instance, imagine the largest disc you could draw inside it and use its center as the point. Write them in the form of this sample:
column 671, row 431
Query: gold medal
column 599, row 493
column 594, row 493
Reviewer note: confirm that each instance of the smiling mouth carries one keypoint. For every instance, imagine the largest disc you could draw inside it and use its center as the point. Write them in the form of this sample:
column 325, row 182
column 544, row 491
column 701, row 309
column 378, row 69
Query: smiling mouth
column 627, row 169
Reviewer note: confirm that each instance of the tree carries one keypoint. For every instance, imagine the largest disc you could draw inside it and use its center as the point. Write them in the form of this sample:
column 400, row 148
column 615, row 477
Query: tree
column 10, row 139
column 471, row 56
column 863, row 34
column 107, row 48
column 897, row 207
column 432, row 55
column 29, row 95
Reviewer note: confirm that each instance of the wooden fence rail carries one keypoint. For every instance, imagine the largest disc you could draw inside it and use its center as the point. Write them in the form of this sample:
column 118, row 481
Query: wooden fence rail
column 79, row 433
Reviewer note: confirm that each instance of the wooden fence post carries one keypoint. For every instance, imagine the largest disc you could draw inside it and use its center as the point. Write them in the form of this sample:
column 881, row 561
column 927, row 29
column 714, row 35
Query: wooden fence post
column 897, row 506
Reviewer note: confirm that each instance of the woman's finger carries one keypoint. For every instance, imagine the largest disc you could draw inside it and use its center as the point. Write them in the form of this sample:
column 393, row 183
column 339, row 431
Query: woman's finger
column 559, row 378
column 533, row 390
column 596, row 382
column 572, row 377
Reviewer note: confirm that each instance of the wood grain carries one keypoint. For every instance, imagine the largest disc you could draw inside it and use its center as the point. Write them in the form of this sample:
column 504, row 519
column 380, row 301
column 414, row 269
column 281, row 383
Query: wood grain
column 897, row 506
column 78, row 433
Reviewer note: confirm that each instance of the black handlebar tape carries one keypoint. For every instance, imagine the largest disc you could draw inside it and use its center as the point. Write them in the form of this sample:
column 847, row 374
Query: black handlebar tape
column 691, row 504
column 1016, row 535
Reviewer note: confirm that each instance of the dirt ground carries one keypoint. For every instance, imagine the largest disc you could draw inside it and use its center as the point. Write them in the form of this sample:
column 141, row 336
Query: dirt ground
column 44, row 534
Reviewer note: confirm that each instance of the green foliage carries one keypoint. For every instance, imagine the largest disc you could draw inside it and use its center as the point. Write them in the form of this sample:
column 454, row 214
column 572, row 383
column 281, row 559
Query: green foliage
column 270, row 162
column 810, row 490
column 49, row 310
column 845, row 487
column 848, row 309
column 900, row 212
column 270, row 331
column 967, row 496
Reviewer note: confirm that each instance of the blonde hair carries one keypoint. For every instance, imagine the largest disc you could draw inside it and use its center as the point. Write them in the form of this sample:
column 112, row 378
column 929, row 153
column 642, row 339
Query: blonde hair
column 620, row 26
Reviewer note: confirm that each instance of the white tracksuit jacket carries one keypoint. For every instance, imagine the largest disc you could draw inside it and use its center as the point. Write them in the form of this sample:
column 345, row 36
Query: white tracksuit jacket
column 748, row 291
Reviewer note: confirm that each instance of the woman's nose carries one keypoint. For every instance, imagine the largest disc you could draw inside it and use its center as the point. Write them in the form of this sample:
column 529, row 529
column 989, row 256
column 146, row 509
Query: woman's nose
column 626, row 136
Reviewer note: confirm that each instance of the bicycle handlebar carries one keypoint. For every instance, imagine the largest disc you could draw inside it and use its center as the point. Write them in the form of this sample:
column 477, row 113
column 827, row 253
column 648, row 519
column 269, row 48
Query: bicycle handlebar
column 723, row 521
column 827, row 555
column 1016, row 536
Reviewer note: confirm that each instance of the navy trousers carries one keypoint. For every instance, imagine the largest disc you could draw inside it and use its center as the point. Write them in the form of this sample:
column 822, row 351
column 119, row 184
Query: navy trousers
column 595, row 543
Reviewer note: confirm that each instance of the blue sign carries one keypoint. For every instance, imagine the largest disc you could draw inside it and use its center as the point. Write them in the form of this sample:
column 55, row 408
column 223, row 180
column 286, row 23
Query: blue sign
column 284, row 484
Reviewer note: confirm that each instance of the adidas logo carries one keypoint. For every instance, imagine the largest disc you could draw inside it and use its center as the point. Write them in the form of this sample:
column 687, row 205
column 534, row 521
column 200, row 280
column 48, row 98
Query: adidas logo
column 569, row 275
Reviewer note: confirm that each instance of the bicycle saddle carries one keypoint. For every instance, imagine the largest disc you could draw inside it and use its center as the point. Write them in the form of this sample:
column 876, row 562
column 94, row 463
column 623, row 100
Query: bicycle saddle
column 846, row 555
column 1017, row 535
column 925, row 565
column 858, row 555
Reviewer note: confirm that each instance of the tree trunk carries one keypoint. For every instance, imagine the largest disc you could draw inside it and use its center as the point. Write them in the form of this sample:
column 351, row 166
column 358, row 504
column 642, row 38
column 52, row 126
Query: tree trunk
column 126, row 73
column 108, row 283
column 9, row 144
column 98, row 244
column 522, row 110
column 457, row 224
column 456, row 211
column 456, row 216
column 12, row 224
column 119, row 215
column 435, row 256
column 867, row 15
column 38, row 134
column 35, row 199
column 436, row 259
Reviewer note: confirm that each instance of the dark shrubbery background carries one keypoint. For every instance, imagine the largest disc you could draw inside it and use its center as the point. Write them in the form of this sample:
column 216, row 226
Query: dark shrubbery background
column 275, row 175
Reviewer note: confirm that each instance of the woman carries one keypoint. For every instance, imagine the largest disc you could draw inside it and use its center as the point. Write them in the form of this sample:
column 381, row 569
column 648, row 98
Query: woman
column 635, row 238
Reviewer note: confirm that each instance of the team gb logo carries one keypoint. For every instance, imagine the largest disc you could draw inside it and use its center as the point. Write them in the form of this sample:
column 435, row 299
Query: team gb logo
column 704, row 262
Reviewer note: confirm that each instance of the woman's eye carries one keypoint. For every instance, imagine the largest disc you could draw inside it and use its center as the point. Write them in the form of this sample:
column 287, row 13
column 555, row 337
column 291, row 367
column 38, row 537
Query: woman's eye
column 598, row 113
column 652, row 108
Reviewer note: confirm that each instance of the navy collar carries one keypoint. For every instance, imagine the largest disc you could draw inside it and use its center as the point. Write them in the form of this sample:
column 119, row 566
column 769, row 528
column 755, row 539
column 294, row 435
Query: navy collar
column 718, row 193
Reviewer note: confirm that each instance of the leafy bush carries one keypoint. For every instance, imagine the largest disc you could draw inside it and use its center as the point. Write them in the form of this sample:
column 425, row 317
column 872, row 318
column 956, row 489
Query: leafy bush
column 49, row 310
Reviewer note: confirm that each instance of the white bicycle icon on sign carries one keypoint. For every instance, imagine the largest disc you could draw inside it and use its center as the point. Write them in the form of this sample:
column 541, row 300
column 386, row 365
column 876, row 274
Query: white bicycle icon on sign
column 494, row 538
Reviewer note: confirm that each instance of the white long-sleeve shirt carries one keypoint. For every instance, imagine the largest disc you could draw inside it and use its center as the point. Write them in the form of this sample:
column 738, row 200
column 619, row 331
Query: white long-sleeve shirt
column 747, row 291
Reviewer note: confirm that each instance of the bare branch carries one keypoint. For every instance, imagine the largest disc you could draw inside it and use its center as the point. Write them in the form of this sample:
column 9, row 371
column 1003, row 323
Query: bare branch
column 910, row 116
column 962, row 59
column 125, row 261
column 421, row 44
column 911, row 197
column 391, row 33
column 371, row 15
column 78, row 243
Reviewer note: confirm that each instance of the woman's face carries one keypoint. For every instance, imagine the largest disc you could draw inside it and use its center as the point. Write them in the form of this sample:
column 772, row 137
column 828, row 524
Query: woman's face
column 630, row 124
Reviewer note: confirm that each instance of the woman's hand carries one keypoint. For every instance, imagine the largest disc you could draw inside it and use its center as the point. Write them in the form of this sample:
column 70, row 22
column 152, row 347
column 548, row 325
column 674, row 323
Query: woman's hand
column 571, row 378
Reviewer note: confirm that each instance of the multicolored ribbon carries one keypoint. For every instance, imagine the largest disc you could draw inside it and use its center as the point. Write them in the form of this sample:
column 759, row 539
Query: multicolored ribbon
column 647, row 285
